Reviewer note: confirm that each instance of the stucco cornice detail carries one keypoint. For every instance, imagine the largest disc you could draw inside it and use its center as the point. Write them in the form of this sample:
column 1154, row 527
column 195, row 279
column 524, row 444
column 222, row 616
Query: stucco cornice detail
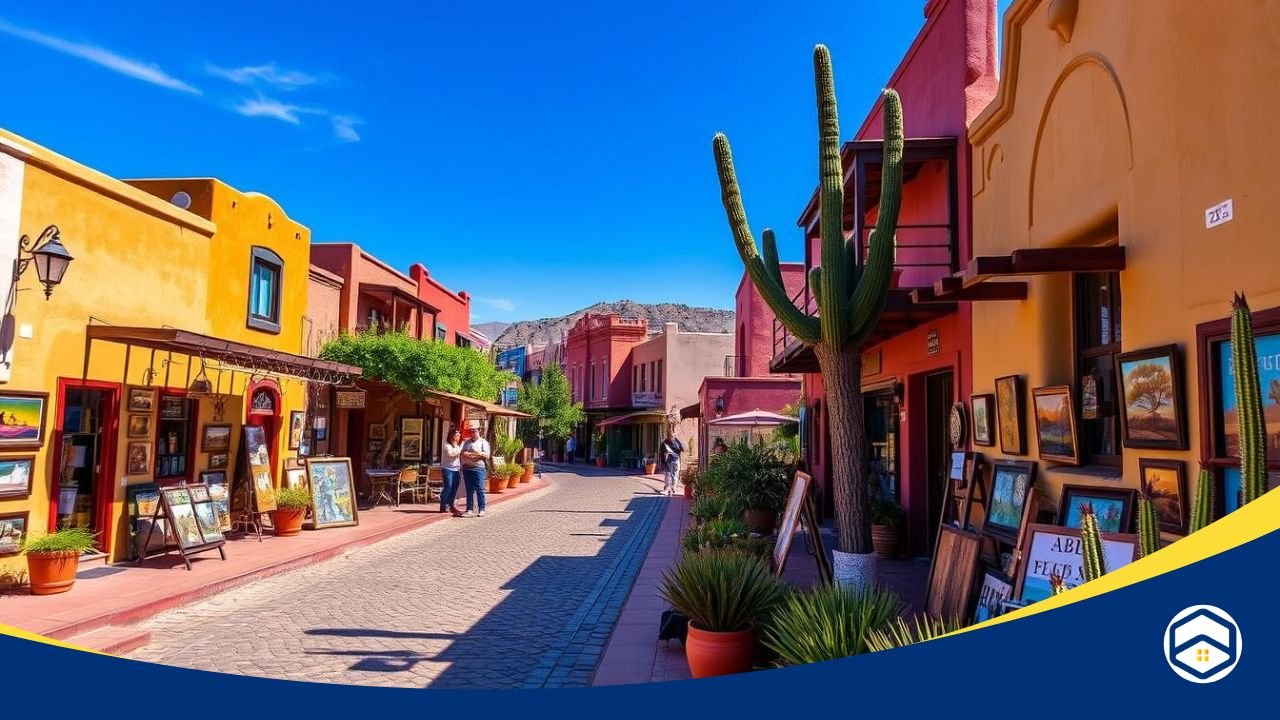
column 1001, row 107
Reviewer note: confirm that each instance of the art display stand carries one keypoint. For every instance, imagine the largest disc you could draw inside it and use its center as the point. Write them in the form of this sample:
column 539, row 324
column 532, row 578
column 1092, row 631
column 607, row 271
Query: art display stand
column 247, row 519
column 164, row 512
column 958, row 543
column 800, row 511
column 256, row 490
column 813, row 539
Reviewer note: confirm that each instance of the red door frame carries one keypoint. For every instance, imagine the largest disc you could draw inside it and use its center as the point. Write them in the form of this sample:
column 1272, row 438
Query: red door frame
column 269, row 422
column 104, row 485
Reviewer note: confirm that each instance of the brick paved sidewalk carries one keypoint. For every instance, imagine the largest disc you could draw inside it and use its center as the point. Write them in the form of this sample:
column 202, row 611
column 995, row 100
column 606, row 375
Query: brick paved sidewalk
column 125, row 593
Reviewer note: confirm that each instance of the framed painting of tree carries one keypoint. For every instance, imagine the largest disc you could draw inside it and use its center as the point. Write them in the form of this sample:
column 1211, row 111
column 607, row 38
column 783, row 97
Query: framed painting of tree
column 1151, row 390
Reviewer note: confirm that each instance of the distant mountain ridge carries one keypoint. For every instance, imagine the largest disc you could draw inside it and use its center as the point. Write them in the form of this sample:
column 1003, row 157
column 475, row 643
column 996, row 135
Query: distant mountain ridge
column 491, row 330
column 687, row 318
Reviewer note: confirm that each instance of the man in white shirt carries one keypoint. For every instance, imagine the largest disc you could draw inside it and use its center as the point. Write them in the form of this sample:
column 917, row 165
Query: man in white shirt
column 570, row 445
column 475, row 468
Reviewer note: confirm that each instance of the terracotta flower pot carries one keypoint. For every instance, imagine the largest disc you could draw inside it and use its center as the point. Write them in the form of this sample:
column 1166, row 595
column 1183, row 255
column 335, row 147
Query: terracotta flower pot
column 497, row 484
column 719, row 653
column 650, row 468
column 514, row 481
column 885, row 540
column 52, row 573
column 528, row 473
column 287, row 522
column 599, row 462
column 760, row 521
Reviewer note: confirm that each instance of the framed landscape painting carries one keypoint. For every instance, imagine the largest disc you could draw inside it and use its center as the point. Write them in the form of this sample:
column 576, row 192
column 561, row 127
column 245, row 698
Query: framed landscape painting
column 984, row 407
column 142, row 400
column 215, row 438
column 22, row 416
column 1011, row 415
column 1011, row 482
column 1056, row 424
column 1151, row 391
column 1113, row 507
column 13, row 530
column 15, row 476
column 139, row 426
column 1166, row 483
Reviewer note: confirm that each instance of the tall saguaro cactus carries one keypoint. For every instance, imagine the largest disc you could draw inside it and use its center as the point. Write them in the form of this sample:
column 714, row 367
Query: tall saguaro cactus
column 1253, row 423
column 1202, row 505
column 850, row 294
column 1095, row 560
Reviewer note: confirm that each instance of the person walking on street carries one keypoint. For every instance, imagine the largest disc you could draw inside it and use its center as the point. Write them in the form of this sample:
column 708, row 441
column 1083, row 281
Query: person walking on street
column 671, row 449
column 475, row 465
column 570, row 445
column 451, row 469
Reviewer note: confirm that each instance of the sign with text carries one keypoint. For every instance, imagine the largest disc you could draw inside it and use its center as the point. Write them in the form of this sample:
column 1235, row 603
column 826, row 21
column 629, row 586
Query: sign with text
column 349, row 399
column 1049, row 550
column 1220, row 214
column 646, row 399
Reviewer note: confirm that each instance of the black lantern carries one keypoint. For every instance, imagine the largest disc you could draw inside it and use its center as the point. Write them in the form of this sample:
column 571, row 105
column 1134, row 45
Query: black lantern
column 719, row 405
column 49, row 255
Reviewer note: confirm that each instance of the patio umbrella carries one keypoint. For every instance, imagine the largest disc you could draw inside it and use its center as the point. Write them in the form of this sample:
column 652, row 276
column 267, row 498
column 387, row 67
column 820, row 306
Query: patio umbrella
column 754, row 418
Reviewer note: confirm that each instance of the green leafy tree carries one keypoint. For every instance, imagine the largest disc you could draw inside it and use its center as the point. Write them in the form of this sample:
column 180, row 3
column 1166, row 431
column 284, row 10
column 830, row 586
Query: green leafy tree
column 551, row 405
column 414, row 367
column 851, row 292
column 1150, row 388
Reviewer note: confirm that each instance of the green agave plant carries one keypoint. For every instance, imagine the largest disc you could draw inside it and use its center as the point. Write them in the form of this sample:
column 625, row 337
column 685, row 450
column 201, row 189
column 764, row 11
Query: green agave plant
column 900, row 633
column 829, row 622
column 722, row 590
column 707, row 507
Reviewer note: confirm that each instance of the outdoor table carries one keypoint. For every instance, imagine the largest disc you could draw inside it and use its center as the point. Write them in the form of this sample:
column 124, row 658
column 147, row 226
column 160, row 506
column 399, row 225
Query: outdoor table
column 380, row 485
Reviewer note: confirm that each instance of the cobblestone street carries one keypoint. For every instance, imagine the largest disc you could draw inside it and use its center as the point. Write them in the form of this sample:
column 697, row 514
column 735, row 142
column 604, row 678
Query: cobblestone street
column 524, row 597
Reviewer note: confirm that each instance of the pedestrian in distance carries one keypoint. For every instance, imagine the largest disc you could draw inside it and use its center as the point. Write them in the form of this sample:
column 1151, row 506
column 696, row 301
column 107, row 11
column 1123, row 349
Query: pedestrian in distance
column 671, row 449
column 475, row 467
column 570, row 445
column 451, row 470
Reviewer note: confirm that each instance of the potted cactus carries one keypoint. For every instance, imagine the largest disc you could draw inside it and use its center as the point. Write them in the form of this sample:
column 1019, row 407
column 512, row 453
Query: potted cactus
column 291, row 510
column 725, row 594
column 54, row 559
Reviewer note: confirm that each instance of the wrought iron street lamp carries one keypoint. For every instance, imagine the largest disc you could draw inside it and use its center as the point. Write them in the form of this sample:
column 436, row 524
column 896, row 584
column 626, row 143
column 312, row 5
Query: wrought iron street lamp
column 48, row 254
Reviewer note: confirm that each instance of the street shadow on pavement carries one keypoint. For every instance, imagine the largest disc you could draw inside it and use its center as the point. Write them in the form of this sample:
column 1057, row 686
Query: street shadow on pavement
column 551, row 627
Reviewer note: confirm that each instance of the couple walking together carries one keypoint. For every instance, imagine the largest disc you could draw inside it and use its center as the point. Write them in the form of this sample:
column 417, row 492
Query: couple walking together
column 466, row 460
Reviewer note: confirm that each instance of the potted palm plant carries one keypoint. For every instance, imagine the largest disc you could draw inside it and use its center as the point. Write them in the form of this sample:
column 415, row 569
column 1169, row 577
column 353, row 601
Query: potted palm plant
column 725, row 594
column 53, row 559
column 887, row 517
column 753, row 477
column 291, row 510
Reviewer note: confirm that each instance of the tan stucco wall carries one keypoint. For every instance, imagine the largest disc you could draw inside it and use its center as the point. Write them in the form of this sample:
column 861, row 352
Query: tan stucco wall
column 1154, row 111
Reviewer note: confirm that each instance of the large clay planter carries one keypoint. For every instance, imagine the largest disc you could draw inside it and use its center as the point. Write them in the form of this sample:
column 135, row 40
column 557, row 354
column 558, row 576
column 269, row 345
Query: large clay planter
column 527, row 476
column 514, row 481
column 885, row 540
column 287, row 522
column 719, row 653
column 650, row 468
column 599, row 462
column 497, row 484
column 760, row 521
column 52, row 573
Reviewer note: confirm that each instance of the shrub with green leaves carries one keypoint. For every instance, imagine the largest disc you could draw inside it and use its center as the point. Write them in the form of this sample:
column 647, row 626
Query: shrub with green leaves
column 718, row 532
column 750, row 476
column 722, row 590
column 829, row 622
column 887, row 513
column 901, row 633
column 75, row 539
column 293, row 498
column 710, row 507
column 508, row 469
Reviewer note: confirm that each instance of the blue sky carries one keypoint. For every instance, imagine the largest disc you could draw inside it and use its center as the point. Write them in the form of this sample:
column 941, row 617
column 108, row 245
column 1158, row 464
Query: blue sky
column 542, row 156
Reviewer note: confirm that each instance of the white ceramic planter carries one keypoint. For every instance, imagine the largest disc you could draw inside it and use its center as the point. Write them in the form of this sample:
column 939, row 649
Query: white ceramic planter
column 854, row 569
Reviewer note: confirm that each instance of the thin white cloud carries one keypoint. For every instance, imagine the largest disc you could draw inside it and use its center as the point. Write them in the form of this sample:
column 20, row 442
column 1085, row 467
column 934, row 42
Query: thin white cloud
column 502, row 304
column 137, row 69
column 269, row 74
column 344, row 128
column 267, row 107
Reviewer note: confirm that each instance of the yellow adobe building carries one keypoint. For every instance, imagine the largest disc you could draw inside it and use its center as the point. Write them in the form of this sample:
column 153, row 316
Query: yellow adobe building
column 1125, row 174
column 173, row 283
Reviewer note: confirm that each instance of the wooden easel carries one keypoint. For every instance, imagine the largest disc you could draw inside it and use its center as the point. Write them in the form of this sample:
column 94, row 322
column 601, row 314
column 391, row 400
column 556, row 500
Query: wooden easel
column 164, row 511
column 813, row 539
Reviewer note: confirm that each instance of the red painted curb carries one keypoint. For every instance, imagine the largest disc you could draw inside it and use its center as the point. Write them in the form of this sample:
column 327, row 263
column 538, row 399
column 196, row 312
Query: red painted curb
column 135, row 613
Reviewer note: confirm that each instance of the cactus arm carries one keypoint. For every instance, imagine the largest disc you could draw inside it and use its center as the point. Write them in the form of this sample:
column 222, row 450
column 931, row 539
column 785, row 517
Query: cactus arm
column 1148, row 525
column 1253, row 428
column 834, row 289
column 1202, row 507
column 1095, row 564
column 815, row 284
column 871, row 294
column 770, row 251
column 801, row 325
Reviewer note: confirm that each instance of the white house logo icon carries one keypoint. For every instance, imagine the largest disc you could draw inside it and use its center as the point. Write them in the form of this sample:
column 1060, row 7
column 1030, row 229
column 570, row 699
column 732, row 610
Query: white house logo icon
column 1203, row 644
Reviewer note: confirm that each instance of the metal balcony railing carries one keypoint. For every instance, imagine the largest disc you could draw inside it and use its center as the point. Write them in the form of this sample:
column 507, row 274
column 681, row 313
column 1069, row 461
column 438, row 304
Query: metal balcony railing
column 733, row 365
